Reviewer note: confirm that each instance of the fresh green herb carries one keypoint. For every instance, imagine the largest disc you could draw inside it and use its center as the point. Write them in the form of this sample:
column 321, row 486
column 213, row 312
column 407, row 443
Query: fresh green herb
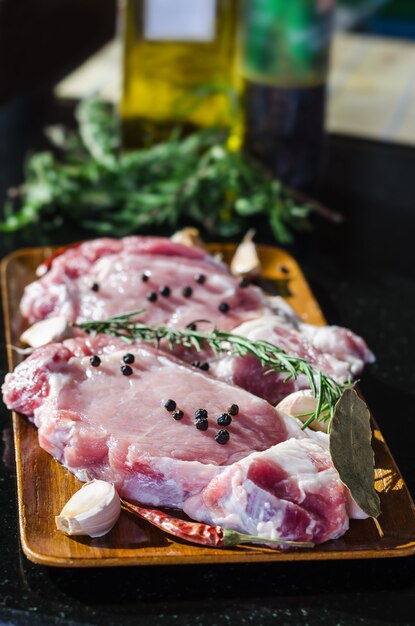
column 193, row 180
column 325, row 389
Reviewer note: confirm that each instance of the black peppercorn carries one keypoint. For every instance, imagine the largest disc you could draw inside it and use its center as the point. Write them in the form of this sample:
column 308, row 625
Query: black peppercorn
column 191, row 326
column 187, row 292
column 128, row 358
column 95, row 360
column 126, row 370
column 201, row 366
column 145, row 276
column 223, row 307
column 165, row 291
column 151, row 296
column 170, row 405
column 244, row 283
column 201, row 414
column 233, row 409
column 201, row 424
column 95, row 287
column 224, row 419
column 222, row 436
column 178, row 414
column 200, row 278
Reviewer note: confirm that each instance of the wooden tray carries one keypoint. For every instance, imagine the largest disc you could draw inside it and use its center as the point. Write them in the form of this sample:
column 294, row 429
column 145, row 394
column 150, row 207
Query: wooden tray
column 44, row 485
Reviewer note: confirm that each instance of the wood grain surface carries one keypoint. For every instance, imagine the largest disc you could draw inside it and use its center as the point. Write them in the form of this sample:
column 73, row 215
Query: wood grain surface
column 44, row 485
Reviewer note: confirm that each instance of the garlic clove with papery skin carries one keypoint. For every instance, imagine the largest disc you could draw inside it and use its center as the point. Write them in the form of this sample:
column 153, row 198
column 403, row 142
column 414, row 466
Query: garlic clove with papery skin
column 189, row 236
column 300, row 403
column 245, row 262
column 45, row 331
column 93, row 510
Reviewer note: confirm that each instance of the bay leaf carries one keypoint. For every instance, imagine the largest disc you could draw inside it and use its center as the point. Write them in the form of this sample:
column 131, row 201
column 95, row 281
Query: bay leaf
column 351, row 450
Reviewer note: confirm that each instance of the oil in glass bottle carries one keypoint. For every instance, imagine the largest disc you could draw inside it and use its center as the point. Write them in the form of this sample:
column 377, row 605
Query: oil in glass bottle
column 179, row 67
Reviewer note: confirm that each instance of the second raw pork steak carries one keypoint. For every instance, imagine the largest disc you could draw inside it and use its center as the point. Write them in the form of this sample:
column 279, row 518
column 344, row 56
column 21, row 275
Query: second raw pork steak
column 177, row 285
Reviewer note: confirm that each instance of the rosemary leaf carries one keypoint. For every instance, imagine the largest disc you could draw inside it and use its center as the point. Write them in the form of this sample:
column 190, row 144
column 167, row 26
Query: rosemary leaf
column 327, row 390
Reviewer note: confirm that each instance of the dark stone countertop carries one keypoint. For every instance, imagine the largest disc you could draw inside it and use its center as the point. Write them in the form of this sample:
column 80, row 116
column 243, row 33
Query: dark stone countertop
column 363, row 274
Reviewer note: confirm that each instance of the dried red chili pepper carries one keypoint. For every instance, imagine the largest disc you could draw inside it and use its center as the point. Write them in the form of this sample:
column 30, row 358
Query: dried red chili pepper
column 204, row 534
column 190, row 531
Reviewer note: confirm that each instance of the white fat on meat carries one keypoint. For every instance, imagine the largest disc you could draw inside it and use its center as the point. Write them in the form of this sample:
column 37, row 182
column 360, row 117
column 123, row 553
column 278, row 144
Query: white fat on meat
column 302, row 402
column 290, row 491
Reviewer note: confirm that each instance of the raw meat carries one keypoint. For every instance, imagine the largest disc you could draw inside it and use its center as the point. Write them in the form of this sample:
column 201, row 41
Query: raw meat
column 116, row 427
column 103, row 277
column 271, row 478
column 290, row 491
column 103, row 424
column 333, row 350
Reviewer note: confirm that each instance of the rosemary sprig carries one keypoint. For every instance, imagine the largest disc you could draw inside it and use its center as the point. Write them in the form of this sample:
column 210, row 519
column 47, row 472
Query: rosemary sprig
column 327, row 390
column 88, row 183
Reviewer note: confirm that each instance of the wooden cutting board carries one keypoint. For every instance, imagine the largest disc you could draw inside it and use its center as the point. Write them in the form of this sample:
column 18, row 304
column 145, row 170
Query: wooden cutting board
column 44, row 485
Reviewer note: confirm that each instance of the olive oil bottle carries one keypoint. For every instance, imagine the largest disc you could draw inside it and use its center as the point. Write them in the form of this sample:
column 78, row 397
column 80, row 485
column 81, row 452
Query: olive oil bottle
column 179, row 67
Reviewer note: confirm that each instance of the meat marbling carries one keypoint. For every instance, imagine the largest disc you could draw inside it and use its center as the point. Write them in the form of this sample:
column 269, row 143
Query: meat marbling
column 335, row 351
column 291, row 490
column 116, row 428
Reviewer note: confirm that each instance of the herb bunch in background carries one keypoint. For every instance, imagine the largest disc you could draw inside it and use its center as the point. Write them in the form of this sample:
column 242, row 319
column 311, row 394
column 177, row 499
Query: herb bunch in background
column 191, row 180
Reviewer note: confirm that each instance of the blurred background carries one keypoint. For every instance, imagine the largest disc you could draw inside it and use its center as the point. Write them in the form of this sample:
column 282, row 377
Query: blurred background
column 55, row 52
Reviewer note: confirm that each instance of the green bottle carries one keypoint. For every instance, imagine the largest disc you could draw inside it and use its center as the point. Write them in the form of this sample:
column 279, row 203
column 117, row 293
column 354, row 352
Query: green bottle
column 284, row 64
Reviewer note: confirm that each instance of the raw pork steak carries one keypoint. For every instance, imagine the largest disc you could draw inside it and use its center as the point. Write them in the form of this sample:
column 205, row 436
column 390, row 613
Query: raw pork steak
column 104, row 277
column 175, row 284
column 115, row 427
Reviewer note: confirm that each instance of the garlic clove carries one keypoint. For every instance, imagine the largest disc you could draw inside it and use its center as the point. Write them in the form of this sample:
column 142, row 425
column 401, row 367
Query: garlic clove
column 45, row 331
column 245, row 261
column 93, row 510
column 189, row 237
column 299, row 403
